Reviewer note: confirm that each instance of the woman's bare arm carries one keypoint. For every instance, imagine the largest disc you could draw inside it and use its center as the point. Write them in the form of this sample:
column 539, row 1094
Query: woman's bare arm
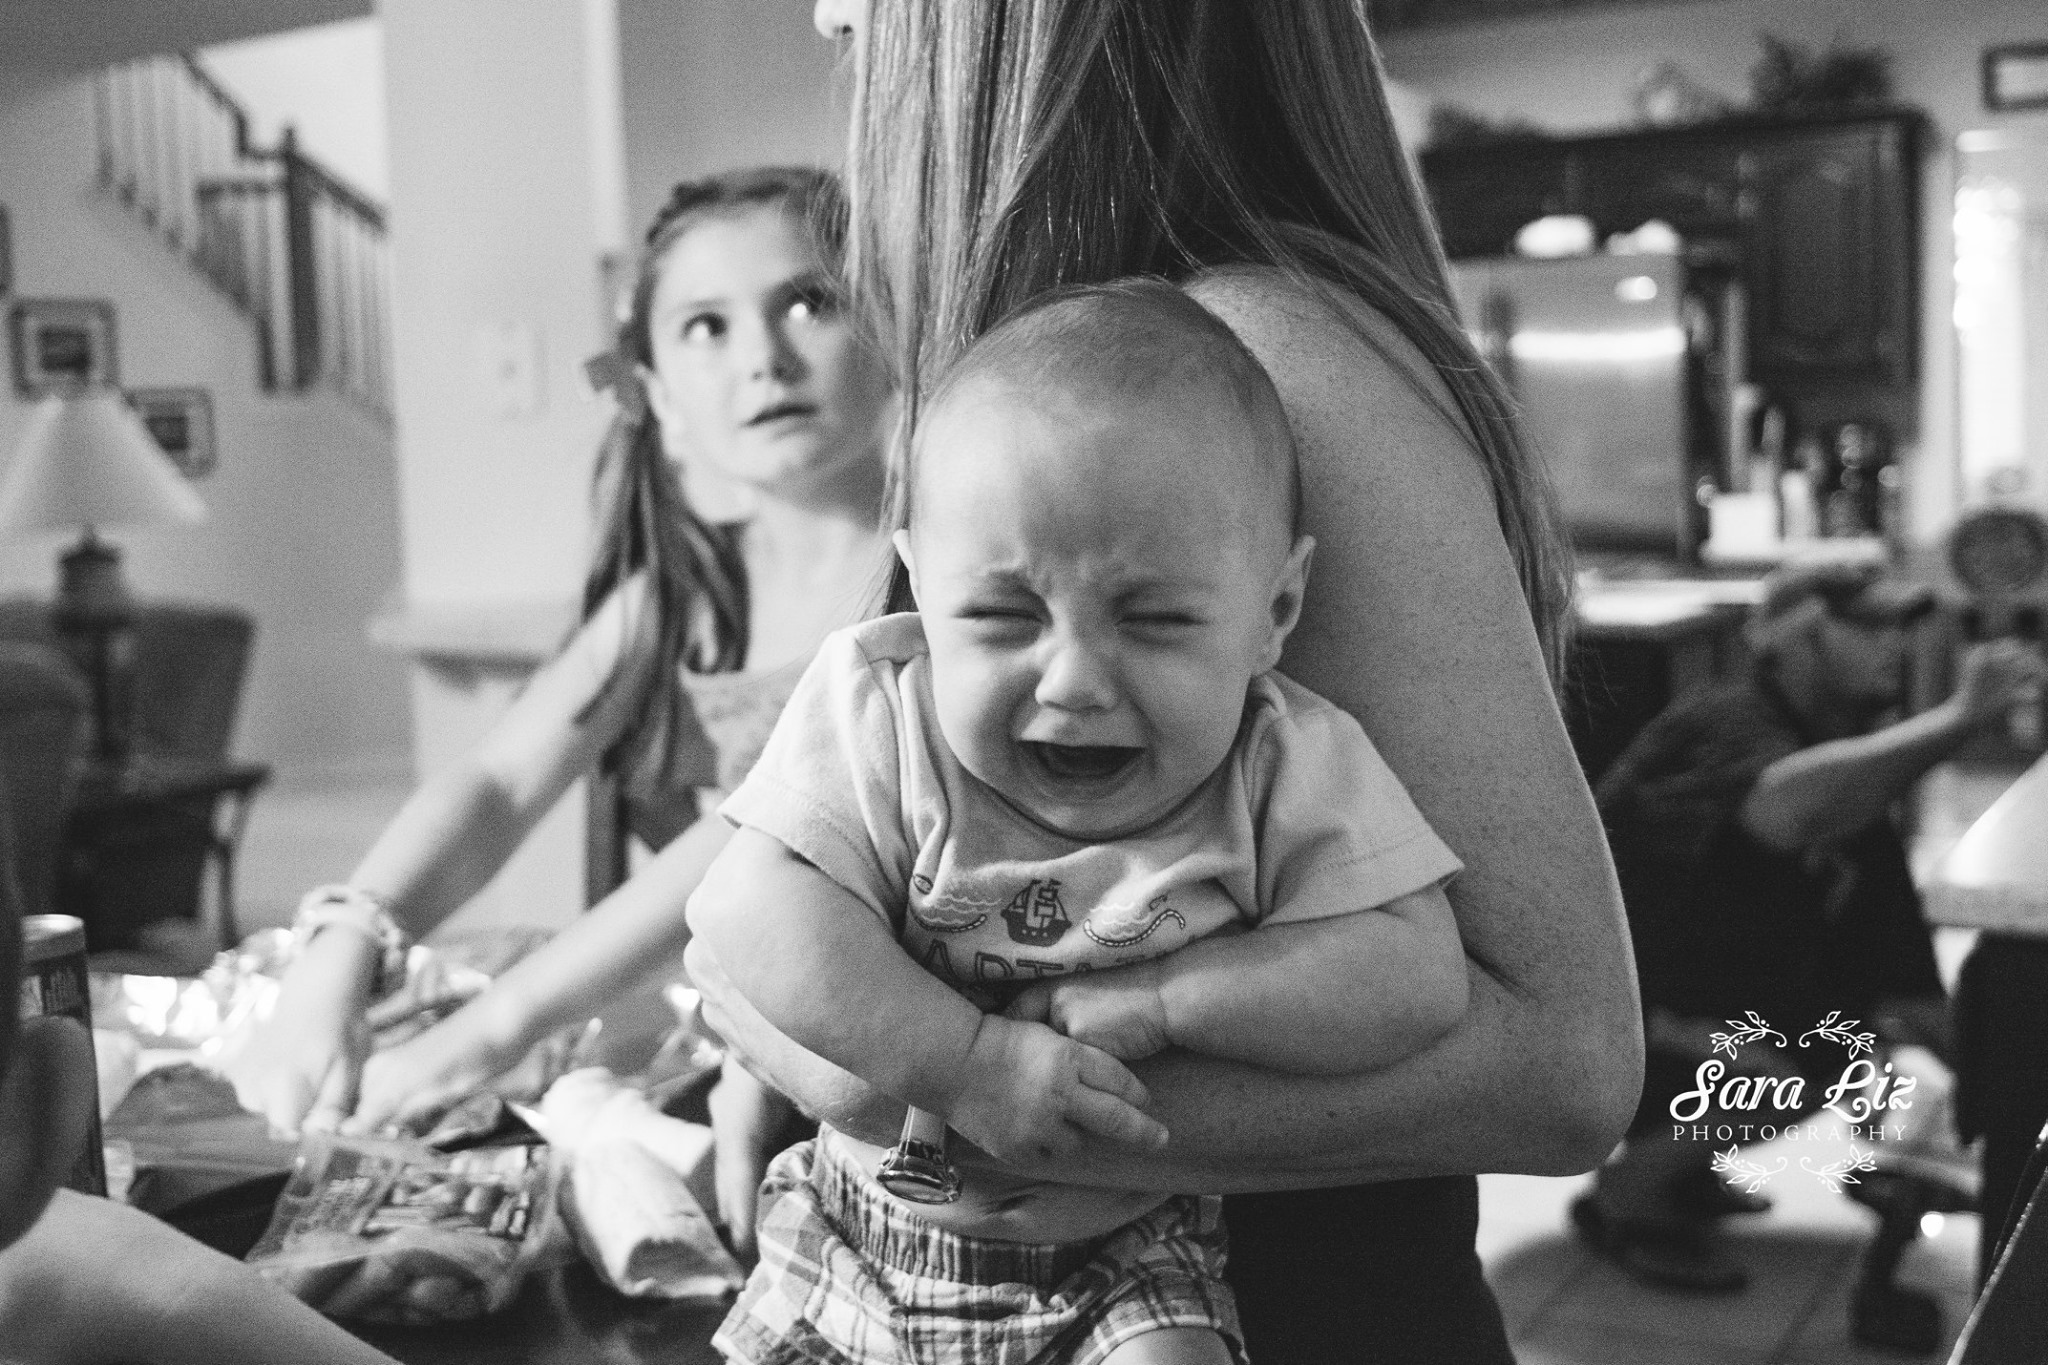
column 96, row 1281
column 1415, row 624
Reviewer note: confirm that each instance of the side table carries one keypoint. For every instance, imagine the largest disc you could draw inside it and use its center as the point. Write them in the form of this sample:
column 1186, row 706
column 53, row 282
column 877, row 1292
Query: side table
column 140, row 836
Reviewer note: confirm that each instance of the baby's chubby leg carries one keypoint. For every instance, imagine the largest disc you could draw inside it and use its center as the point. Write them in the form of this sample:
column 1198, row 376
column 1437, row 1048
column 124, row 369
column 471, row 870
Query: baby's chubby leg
column 1172, row 1346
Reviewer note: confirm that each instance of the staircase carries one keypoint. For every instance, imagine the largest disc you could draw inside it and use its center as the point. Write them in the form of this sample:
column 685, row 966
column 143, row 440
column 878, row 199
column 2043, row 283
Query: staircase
column 297, row 249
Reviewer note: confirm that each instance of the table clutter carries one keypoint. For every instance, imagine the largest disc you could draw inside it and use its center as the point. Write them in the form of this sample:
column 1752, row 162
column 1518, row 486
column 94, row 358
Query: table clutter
column 566, row 1167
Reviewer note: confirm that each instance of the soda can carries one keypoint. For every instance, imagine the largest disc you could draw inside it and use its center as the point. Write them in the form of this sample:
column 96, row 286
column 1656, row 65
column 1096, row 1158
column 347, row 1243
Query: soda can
column 54, row 981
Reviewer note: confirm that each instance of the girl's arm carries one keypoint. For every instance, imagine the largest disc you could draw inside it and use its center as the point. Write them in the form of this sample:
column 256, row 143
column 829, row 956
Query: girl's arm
column 626, row 941
column 1415, row 624
column 444, row 844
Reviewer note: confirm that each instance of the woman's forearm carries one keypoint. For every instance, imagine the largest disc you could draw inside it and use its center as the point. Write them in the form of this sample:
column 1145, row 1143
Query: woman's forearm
column 1330, row 996
column 97, row 1281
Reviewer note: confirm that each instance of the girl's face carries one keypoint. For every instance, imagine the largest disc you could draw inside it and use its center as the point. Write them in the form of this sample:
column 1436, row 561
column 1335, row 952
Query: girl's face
column 758, row 374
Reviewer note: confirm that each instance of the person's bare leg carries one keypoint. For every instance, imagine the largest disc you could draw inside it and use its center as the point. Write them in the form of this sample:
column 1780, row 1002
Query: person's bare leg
column 1172, row 1346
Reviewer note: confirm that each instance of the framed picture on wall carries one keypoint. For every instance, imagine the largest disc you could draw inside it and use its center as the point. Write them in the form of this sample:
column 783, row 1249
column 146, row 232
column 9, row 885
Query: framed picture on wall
column 61, row 344
column 2016, row 77
column 181, row 421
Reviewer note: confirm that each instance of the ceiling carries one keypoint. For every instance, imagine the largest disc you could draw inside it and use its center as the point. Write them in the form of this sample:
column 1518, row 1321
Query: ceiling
column 71, row 35
column 1393, row 16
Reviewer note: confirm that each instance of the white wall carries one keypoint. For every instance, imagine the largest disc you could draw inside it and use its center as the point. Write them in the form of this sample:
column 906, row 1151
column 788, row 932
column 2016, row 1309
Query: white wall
column 327, row 82
column 715, row 84
column 303, row 526
column 1571, row 72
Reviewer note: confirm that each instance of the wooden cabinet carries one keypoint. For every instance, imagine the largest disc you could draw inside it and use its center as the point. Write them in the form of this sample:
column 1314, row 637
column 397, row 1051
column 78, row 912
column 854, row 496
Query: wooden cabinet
column 1828, row 254
column 1823, row 213
column 1484, row 194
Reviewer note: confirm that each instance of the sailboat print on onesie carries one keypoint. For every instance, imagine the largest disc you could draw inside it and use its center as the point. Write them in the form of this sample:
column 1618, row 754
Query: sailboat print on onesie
column 1035, row 915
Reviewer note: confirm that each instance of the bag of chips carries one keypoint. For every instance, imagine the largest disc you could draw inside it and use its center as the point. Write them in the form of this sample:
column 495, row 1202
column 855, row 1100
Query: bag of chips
column 379, row 1230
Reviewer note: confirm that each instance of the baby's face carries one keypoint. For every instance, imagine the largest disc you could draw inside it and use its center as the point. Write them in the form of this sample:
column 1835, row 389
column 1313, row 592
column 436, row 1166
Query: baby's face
column 1097, row 594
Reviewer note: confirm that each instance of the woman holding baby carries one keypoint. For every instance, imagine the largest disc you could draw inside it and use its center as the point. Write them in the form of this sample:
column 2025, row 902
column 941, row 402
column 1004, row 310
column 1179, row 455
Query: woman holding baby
column 1245, row 152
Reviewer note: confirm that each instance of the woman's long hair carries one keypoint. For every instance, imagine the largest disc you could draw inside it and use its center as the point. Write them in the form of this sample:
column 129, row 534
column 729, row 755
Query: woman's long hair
column 645, row 523
column 1004, row 147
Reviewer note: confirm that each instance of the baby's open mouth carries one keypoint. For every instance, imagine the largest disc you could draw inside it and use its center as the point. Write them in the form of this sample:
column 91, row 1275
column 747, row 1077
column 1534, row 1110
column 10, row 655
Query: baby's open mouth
column 1082, row 762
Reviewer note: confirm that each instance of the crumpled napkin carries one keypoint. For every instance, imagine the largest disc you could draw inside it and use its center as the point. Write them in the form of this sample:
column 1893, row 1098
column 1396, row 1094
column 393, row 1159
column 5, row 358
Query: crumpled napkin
column 639, row 1188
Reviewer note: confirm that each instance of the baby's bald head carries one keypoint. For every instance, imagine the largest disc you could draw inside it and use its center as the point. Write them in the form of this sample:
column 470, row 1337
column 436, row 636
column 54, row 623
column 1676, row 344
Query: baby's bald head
column 1134, row 346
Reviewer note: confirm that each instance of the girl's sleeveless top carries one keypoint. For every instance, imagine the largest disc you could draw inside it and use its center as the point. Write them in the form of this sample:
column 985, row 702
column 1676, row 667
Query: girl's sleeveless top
column 723, row 724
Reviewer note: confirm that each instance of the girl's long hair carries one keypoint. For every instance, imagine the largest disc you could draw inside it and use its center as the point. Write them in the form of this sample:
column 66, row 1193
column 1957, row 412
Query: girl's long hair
column 1004, row 147
column 645, row 523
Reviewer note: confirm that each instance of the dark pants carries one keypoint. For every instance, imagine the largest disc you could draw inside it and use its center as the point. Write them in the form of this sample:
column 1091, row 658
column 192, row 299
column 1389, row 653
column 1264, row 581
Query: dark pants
column 1364, row 1274
column 2002, row 1071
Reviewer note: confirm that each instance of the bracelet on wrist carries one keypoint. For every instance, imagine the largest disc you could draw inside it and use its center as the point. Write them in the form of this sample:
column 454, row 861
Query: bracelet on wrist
column 360, row 912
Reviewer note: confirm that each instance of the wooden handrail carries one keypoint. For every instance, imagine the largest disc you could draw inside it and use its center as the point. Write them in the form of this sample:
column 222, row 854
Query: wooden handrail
column 291, row 242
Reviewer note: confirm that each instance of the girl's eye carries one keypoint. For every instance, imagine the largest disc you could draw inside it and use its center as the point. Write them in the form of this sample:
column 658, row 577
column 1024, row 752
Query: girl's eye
column 1163, row 621
column 703, row 327
column 813, row 306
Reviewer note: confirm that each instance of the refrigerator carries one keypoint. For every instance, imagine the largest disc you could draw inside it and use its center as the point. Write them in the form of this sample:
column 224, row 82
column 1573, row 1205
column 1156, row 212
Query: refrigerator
column 1625, row 371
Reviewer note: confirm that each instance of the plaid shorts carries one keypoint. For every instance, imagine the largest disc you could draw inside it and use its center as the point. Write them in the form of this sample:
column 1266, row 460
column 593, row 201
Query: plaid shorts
column 849, row 1276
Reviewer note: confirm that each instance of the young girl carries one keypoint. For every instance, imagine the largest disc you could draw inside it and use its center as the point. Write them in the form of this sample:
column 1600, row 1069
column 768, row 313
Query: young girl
column 741, row 368
column 1246, row 150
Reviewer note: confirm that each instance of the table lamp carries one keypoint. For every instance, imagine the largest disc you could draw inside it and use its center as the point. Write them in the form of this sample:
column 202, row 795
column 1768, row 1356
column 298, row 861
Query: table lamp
column 85, row 460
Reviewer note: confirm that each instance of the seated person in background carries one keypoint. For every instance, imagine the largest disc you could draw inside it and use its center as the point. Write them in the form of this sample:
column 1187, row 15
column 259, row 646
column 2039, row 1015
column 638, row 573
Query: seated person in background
column 86, row 1281
column 1752, row 827
column 1075, row 767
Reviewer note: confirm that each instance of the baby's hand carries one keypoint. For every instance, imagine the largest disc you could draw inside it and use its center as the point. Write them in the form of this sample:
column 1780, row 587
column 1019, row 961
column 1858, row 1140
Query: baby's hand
column 1119, row 1010
column 1032, row 1095
column 414, row 1083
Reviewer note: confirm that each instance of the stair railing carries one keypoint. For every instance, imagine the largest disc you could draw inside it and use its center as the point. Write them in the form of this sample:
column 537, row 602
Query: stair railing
column 289, row 242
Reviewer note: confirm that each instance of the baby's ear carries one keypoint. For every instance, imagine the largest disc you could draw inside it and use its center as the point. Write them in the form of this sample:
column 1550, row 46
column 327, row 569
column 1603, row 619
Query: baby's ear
column 1288, row 586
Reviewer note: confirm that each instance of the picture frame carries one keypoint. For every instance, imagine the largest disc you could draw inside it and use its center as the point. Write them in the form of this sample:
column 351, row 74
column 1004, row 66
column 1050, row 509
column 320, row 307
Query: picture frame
column 2016, row 77
column 180, row 421
column 60, row 345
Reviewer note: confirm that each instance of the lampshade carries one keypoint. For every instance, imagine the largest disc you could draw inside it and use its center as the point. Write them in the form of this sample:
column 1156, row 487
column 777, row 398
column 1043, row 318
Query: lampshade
column 85, row 459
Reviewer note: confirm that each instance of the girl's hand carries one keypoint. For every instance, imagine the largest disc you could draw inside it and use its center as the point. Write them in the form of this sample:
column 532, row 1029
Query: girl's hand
column 299, row 1067
column 746, row 1117
column 1120, row 1010
column 411, row 1085
column 1033, row 1095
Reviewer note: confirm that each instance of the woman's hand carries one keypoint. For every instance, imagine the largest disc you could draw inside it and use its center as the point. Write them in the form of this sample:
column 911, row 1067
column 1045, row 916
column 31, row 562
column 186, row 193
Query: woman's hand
column 299, row 1068
column 1029, row 1093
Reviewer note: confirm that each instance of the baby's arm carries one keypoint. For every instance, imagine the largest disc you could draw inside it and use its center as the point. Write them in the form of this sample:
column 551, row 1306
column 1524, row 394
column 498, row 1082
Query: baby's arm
column 1332, row 996
column 823, row 968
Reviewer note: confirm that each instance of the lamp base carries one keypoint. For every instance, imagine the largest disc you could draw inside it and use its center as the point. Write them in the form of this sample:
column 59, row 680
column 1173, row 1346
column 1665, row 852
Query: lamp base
column 93, row 613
